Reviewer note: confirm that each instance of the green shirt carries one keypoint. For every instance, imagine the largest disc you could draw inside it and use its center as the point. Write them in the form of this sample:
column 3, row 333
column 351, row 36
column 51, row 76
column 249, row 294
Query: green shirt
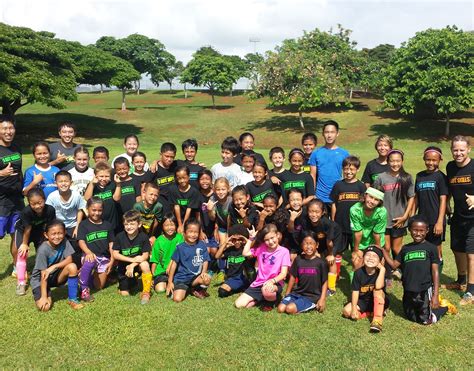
column 163, row 249
column 375, row 223
column 148, row 215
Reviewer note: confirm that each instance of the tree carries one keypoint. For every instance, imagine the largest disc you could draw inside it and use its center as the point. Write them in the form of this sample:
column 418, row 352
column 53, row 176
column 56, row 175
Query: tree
column 253, row 61
column 210, row 69
column 33, row 68
column 433, row 69
column 173, row 71
column 309, row 72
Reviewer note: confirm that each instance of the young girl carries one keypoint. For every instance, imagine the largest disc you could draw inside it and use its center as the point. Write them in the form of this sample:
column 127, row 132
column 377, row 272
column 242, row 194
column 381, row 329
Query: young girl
column 399, row 198
column 163, row 249
column 130, row 144
column 189, row 263
column 272, row 214
column 95, row 238
column 431, row 193
column 273, row 263
column 30, row 228
column 53, row 267
column 297, row 178
column 261, row 186
column 41, row 174
column 308, row 285
column 81, row 173
column 241, row 211
column 183, row 197
column 140, row 176
column 208, row 225
column 295, row 215
column 247, row 143
column 379, row 165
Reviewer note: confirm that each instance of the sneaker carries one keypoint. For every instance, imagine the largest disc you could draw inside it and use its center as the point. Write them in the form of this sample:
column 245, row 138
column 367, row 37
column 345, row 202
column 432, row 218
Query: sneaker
column 86, row 295
column 467, row 299
column 145, row 298
column 330, row 292
column 21, row 290
column 220, row 278
column 266, row 308
column 74, row 304
column 199, row 294
column 375, row 326
column 14, row 272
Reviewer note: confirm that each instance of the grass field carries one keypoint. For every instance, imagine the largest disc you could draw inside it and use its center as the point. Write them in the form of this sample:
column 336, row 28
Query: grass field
column 116, row 332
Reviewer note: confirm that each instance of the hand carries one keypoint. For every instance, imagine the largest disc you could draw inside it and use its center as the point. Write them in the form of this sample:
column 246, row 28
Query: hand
column 435, row 302
column 354, row 314
column 95, row 180
column 90, row 257
column 202, row 164
column 321, row 305
column 8, row 171
column 252, row 233
column 203, row 237
column 169, row 288
column 181, row 229
column 138, row 259
column 262, row 214
column 23, row 250
column 470, row 201
column 154, row 166
column 205, row 277
column 381, row 265
column 398, row 222
column 152, row 240
column 117, row 179
column 74, row 232
column 438, row 229
column 242, row 211
column 357, row 255
column 37, row 178
column 275, row 180
column 330, row 259
column 210, row 205
column 43, row 304
column 269, row 286
column 108, row 268
column 295, row 214
column 129, row 271
column 45, row 274
column 61, row 157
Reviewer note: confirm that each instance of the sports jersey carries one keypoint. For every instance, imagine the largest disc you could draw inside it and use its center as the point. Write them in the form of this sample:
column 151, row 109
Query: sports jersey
column 368, row 225
column 372, row 171
column 163, row 249
column 302, row 181
column 96, row 236
column 47, row 184
column 311, row 274
column 460, row 180
column 428, row 188
column 66, row 210
column 345, row 195
column 80, row 179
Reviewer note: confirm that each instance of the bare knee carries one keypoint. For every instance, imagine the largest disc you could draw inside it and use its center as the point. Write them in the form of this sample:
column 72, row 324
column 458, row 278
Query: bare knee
column 281, row 308
column 291, row 308
column 145, row 267
column 71, row 269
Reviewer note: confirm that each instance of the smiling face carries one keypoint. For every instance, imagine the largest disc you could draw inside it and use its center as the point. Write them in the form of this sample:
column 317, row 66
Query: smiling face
column 278, row 160
column 191, row 234
column 247, row 163
column 330, row 134
column 383, row 148
column 103, row 176
column 182, row 179
column 272, row 239
column 418, row 231
column 205, row 182
column 67, row 134
column 64, row 183
column 81, row 160
column 169, row 228
column 270, row 206
column 151, row 196
column 308, row 146
column 371, row 259
column 460, row 151
column 432, row 160
column 221, row 190
column 295, row 199
column 7, row 133
column 36, row 203
column 240, row 199
column 247, row 143
column 349, row 172
column 55, row 235
column 139, row 164
column 95, row 212
column 131, row 227
column 259, row 174
column 190, row 153
column 370, row 202
column 227, row 156
column 41, row 155
column 296, row 162
column 395, row 161
column 131, row 146
column 315, row 213
column 122, row 170
column 309, row 246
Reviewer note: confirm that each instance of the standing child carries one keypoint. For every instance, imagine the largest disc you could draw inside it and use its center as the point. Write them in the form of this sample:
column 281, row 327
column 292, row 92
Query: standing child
column 139, row 175
column 419, row 262
column 164, row 175
column 296, row 214
column 30, row 228
column 309, row 141
column 260, row 186
column 188, row 270
column 247, row 143
column 130, row 144
column 190, row 148
column 41, row 174
column 132, row 249
column 81, row 173
column 431, row 193
column 208, row 225
column 248, row 162
column 310, row 274
column 273, row 263
column 379, row 165
column 163, row 250
column 277, row 157
column 100, row 154
column 128, row 193
column 227, row 168
column 95, row 238
column 150, row 210
column 368, row 290
column 53, row 267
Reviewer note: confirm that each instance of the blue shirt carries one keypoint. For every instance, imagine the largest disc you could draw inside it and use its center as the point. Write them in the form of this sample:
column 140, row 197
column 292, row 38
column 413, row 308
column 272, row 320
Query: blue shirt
column 47, row 184
column 189, row 260
column 328, row 163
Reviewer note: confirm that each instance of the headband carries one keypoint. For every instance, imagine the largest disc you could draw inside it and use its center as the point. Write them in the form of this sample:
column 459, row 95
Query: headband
column 396, row 151
column 375, row 193
column 433, row 150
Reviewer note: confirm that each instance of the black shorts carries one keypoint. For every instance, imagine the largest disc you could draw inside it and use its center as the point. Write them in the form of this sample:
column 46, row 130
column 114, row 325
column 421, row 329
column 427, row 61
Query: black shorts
column 257, row 295
column 186, row 286
column 396, row 232
column 417, row 306
column 462, row 235
column 52, row 282
column 126, row 283
column 367, row 305
column 347, row 240
column 36, row 237
column 434, row 239
column 160, row 278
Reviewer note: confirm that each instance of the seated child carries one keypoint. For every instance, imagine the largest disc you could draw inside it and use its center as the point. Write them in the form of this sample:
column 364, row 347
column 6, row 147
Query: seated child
column 163, row 249
column 131, row 249
column 231, row 251
column 150, row 210
column 273, row 263
column 188, row 269
column 419, row 261
column 310, row 274
column 368, row 293
column 53, row 267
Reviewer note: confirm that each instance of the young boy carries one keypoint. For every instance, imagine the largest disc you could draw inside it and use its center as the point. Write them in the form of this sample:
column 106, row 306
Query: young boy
column 151, row 211
column 129, row 193
column 130, row 144
column 139, row 175
column 277, row 158
column 309, row 142
column 227, row 168
column 131, row 249
column 108, row 190
column 248, row 162
column 368, row 294
column 419, row 261
column 164, row 175
column 62, row 152
column 344, row 195
column 190, row 148
column 100, row 154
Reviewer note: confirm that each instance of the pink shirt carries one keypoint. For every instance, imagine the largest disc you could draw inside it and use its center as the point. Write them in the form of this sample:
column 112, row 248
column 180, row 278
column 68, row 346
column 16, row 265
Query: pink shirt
column 269, row 263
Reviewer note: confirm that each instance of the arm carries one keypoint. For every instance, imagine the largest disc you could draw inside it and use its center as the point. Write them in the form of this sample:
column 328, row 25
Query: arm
column 187, row 214
column 32, row 183
column 354, row 301
column 90, row 189
column 333, row 211
column 24, row 247
column 313, row 173
column 380, row 281
column 118, row 189
column 119, row 257
column 291, row 283
column 438, row 228
column 90, row 256
column 246, row 251
column 308, row 199
column 321, row 304
column 177, row 214
column 402, row 219
column 435, row 278
column 79, row 217
column 394, row 264
column 112, row 260
column 172, row 271
column 280, row 277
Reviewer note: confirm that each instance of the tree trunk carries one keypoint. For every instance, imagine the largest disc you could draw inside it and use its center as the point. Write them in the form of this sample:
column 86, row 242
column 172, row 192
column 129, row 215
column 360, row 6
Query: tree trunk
column 185, row 91
column 124, row 107
column 213, row 99
column 138, row 87
column 350, row 94
column 446, row 130
column 9, row 108
column 231, row 89
column 101, row 88
column 171, row 86
column 300, row 116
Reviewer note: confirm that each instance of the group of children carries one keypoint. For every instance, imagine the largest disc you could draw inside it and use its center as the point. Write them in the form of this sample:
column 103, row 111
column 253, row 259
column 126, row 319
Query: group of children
column 174, row 224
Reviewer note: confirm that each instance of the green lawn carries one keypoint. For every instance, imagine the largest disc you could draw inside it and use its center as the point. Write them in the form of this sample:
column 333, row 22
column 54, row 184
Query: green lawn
column 118, row 332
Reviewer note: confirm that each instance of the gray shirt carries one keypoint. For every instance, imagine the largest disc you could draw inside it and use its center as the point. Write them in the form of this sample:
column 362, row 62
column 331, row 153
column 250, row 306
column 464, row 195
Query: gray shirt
column 57, row 147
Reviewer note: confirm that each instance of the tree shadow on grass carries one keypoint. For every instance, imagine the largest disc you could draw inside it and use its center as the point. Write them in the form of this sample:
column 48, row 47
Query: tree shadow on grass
column 330, row 108
column 35, row 127
column 133, row 109
column 287, row 124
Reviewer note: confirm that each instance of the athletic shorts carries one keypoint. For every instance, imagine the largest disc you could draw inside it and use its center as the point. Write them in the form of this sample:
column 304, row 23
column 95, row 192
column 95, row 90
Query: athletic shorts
column 211, row 243
column 462, row 235
column 257, row 295
column 434, row 239
column 7, row 223
column 396, row 232
column 52, row 282
column 237, row 283
column 36, row 238
column 186, row 286
column 126, row 283
column 347, row 240
column 101, row 263
column 303, row 304
column 160, row 278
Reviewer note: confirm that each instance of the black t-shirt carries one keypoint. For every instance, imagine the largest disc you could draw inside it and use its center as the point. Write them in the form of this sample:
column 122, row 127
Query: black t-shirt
column 306, row 166
column 110, row 211
column 345, row 195
column 11, row 185
column 311, row 275
column 234, row 262
column 29, row 217
column 276, row 187
column 416, row 260
column 301, row 181
column 138, row 180
column 258, row 192
column 185, row 200
column 461, row 181
column 428, row 188
column 208, row 225
column 364, row 283
column 165, row 179
column 372, row 171
column 129, row 195
column 96, row 236
column 258, row 158
column 325, row 230
column 194, row 170
column 235, row 217
column 131, row 248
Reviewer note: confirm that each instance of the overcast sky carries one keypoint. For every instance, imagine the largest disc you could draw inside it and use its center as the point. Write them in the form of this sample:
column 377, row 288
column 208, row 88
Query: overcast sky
column 185, row 25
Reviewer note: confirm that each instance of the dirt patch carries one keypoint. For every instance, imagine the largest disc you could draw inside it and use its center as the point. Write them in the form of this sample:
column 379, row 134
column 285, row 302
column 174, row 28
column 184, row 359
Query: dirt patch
column 95, row 102
column 173, row 101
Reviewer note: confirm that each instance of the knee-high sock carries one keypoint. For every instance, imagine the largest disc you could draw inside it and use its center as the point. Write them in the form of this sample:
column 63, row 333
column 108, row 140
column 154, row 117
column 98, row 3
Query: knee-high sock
column 221, row 264
column 72, row 283
column 332, row 277
column 379, row 304
column 21, row 269
column 146, row 282
column 85, row 276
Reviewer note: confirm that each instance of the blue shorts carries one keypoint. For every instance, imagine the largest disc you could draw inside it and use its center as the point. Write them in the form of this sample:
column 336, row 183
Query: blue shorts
column 303, row 304
column 7, row 223
column 237, row 283
column 211, row 243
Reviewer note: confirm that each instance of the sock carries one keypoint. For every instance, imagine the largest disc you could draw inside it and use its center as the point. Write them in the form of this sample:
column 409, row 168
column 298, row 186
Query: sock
column 86, row 274
column 223, row 293
column 462, row 279
column 221, row 264
column 379, row 303
column 72, row 287
column 146, row 282
column 470, row 287
column 332, row 277
column 21, row 269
